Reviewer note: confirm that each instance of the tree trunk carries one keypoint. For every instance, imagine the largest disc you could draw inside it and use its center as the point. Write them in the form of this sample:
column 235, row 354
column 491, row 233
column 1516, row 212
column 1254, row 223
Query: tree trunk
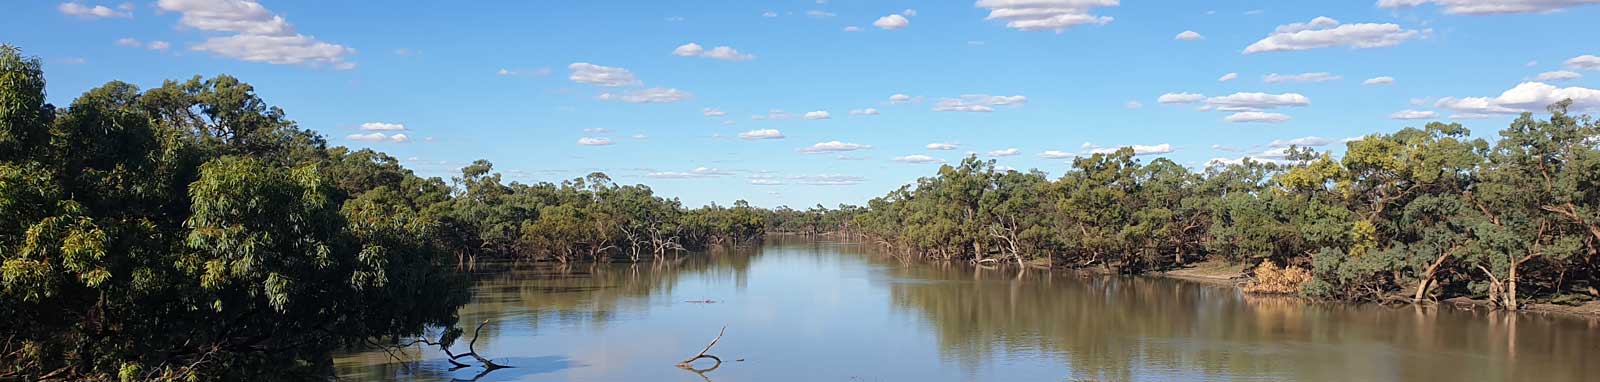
column 1427, row 276
column 1511, row 286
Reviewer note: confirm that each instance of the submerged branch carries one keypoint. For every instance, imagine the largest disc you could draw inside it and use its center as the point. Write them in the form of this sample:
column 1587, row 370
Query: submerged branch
column 688, row 364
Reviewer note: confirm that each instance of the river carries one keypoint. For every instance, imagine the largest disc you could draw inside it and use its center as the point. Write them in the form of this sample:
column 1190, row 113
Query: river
column 800, row 310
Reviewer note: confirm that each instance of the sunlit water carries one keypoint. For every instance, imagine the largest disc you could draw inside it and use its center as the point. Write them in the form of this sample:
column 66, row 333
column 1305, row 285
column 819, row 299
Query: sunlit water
column 825, row 311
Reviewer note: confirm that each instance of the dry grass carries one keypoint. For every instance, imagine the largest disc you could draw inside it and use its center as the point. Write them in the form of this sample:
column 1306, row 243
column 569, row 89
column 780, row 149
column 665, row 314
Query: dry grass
column 1271, row 279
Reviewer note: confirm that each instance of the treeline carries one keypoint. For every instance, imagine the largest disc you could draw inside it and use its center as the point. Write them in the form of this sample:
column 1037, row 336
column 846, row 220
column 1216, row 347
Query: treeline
column 589, row 218
column 192, row 232
column 1419, row 213
column 812, row 221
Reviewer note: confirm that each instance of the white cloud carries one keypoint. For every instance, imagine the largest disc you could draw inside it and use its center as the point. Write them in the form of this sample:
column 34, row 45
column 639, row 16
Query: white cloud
column 866, row 111
column 698, row 172
column 981, row 103
column 899, row 98
column 74, row 8
column 817, row 115
column 1309, row 141
column 728, row 54
column 587, row 73
column 1413, row 114
column 769, row 14
column 1256, row 101
column 382, row 126
column 1055, row 154
column 852, row 28
column 1255, row 116
column 712, row 112
column 1277, row 155
column 1324, row 32
column 892, row 22
column 1228, row 77
column 942, row 146
column 1385, row 80
column 596, row 130
column 761, row 134
column 1171, row 98
column 826, row 180
column 1133, row 105
column 1137, row 149
column 818, row 13
column 1225, row 148
column 258, row 34
column 593, row 141
column 292, row 49
column 724, row 53
column 775, row 115
column 918, row 158
column 159, row 45
column 129, row 42
column 909, row 12
column 639, row 136
column 1525, row 97
column 1188, row 36
column 833, row 146
column 1559, row 75
column 1302, row 77
column 1588, row 62
column 379, row 137
column 1488, row 7
column 651, row 95
column 688, row 50
column 1004, row 152
column 1039, row 15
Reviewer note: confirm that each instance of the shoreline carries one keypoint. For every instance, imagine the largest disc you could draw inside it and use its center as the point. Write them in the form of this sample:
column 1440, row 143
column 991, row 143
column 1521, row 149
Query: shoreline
column 1218, row 273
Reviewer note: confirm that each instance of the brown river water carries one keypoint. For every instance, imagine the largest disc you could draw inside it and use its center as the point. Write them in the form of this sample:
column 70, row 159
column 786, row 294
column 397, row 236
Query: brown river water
column 801, row 310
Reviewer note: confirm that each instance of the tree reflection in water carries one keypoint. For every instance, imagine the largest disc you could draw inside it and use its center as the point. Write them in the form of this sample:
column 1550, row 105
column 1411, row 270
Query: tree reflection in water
column 1126, row 328
column 791, row 305
column 528, row 296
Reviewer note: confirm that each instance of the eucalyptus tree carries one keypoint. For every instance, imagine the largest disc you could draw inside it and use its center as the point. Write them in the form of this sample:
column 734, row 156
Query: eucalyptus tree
column 1095, row 204
column 192, row 232
column 1014, row 215
column 1538, row 199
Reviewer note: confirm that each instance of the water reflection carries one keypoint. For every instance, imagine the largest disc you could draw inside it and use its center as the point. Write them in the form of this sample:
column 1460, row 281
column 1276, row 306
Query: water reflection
column 810, row 310
column 1125, row 328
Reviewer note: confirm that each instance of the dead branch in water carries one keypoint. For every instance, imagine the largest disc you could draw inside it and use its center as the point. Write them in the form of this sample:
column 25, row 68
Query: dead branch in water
column 473, row 351
column 688, row 364
column 444, row 342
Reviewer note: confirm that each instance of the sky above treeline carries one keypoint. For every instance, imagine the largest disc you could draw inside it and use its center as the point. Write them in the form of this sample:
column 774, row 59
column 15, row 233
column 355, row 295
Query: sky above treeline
column 833, row 101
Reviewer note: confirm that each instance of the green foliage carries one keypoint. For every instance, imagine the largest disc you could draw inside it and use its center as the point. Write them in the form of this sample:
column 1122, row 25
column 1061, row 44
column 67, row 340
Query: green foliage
column 1421, row 211
column 191, row 232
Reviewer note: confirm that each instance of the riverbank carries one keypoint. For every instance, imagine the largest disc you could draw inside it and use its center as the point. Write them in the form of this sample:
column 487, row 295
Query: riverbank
column 1220, row 273
column 1213, row 272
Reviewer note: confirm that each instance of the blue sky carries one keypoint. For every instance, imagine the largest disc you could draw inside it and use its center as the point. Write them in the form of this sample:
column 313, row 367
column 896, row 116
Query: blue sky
column 554, row 90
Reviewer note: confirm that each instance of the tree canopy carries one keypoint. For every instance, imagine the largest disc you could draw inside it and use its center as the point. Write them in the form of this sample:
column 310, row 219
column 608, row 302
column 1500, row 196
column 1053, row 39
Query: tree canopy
column 1427, row 212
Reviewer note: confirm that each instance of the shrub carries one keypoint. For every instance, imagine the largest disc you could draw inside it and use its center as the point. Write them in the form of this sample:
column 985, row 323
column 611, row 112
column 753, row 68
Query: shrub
column 1271, row 279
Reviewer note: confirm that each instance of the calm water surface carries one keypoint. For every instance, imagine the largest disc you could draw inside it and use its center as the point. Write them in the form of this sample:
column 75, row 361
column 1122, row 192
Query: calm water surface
column 824, row 311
